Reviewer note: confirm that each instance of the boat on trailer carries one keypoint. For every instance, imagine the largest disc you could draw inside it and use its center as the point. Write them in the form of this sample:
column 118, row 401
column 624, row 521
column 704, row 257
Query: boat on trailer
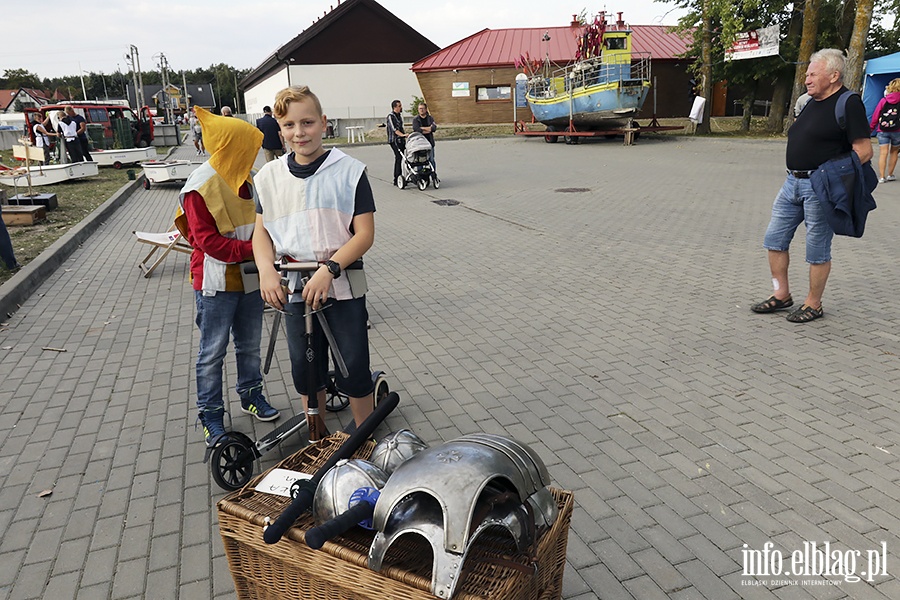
column 48, row 174
column 167, row 171
column 599, row 94
column 126, row 156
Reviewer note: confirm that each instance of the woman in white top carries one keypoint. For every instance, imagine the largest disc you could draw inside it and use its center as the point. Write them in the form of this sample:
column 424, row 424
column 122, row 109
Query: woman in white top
column 42, row 137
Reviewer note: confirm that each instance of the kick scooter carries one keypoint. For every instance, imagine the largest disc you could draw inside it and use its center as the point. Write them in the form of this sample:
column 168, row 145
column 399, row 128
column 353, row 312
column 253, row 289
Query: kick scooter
column 232, row 455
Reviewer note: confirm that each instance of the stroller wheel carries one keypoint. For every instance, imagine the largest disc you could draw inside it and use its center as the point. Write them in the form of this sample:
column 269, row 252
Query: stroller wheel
column 401, row 182
column 435, row 181
column 422, row 183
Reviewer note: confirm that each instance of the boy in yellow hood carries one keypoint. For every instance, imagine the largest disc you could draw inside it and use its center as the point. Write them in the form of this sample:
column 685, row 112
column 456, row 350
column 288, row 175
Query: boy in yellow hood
column 219, row 214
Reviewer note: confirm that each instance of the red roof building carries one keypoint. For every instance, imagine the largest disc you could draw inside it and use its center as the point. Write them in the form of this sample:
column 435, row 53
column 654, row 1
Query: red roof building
column 484, row 65
column 24, row 96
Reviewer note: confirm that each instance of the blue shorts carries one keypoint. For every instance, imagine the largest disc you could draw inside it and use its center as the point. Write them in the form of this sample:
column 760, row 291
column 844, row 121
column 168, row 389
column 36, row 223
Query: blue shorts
column 888, row 138
column 797, row 203
column 347, row 320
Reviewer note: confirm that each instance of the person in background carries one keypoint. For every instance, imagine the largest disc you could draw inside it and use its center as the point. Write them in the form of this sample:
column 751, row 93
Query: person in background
column 83, row 143
column 226, row 111
column 273, row 142
column 396, row 136
column 196, row 132
column 814, row 138
column 68, row 134
column 6, row 248
column 424, row 124
column 217, row 219
column 42, row 135
column 886, row 122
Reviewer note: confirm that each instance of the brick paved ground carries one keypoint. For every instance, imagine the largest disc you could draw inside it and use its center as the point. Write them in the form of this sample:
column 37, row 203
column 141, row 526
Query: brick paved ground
column 608, row 328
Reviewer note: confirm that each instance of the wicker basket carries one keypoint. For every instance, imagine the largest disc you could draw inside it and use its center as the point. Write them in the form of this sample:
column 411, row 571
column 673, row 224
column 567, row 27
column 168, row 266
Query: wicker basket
column 290, row 569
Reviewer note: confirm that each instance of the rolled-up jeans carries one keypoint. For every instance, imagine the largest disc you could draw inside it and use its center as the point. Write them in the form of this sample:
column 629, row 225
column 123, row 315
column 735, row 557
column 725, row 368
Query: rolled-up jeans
column 224, row 315
column 796, row 203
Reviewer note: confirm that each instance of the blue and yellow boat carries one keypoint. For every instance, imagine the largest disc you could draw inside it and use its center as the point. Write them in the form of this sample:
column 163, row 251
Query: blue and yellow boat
column 605, row 88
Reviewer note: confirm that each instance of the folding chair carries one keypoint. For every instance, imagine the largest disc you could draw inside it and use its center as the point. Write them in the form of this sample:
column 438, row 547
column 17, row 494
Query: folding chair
column 164, row 242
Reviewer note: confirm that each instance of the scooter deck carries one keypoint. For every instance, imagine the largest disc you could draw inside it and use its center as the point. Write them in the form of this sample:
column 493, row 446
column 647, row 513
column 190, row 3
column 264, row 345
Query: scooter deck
column 293, row 424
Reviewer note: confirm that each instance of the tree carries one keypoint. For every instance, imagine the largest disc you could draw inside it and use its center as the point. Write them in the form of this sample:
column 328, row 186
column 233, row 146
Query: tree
column 807, row 47
column 857, row 48
column 18, row 78
column 805, row 26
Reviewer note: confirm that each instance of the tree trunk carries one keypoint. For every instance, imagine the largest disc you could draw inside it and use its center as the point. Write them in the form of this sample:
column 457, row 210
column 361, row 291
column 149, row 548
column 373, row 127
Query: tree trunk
column 784, row 84
column 706, row 68
column 857, row 49
column 807, row 47
column 749, row 102
column 779, row 101
column 845, row 25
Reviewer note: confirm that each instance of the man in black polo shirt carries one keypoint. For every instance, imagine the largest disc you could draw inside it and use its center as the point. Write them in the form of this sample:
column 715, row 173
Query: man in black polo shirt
column 814, row 138
column 273, row 142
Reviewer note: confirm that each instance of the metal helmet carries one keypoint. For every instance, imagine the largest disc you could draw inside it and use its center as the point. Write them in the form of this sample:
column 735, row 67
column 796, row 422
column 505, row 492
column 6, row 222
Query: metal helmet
column 395, row 449
column 338, row 485
column 438, row 493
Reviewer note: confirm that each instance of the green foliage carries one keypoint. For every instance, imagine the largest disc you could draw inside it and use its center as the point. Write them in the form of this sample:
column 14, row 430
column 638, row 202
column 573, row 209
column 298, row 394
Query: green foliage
column 884, row 38
column 414, row 105
column 730, row 17
column 16, row 78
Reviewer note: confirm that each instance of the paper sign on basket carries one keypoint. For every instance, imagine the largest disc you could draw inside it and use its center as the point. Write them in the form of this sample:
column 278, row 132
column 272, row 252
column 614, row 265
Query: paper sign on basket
column 279, row 482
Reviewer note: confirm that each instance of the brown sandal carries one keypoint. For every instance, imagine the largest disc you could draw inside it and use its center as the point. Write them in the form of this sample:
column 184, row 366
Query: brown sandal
column 771, row 304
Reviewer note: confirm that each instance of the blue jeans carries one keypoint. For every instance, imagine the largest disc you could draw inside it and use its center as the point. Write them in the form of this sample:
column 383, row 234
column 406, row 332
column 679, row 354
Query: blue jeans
column 347, row 321
column 6, row 249
column 886, row 138
column 796, row 203
column 228, row 314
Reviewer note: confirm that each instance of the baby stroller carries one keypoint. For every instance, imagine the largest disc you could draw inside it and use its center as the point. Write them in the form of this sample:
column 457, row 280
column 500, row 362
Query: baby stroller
column 416, row 169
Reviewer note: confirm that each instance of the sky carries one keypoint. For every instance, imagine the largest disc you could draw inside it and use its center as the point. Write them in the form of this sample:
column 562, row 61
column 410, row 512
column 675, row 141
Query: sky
column 243, row 34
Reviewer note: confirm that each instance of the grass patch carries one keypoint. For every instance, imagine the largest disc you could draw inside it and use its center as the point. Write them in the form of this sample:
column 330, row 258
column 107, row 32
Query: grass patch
column 77, row 199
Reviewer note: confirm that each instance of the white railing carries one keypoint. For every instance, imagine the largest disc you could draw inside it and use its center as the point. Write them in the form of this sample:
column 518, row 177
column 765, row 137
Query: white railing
column 590, row 72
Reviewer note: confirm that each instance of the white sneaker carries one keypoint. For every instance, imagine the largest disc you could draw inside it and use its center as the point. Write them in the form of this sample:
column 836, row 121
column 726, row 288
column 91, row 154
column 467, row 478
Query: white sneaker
column 890, row 178
column 881, row 180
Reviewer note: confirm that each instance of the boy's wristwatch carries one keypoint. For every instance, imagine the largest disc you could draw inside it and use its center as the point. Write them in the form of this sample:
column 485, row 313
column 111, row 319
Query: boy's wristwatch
column 333, row 268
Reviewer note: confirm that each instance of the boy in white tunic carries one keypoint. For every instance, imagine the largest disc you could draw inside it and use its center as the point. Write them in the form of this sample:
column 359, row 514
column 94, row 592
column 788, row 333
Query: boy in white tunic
column 317, row 206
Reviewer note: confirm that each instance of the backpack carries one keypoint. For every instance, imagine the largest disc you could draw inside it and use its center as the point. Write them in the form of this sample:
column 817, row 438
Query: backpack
column 840, row 109
column 889, row 119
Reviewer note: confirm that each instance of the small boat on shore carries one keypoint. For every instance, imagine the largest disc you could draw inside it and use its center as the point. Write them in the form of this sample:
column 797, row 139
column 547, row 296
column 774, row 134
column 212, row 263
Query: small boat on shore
column 47, row 174
column 167, row 171
column 604, row 88
column 119, row 158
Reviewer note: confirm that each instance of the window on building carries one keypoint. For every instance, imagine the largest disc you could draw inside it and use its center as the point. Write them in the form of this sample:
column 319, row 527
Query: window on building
column 487, row 93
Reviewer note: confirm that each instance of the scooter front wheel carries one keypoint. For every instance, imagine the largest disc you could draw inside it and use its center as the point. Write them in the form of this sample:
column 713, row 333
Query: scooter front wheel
column 232, row 464
column 382, row 389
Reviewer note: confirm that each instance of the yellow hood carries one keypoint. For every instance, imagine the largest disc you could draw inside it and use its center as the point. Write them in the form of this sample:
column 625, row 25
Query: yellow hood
column 232, row 144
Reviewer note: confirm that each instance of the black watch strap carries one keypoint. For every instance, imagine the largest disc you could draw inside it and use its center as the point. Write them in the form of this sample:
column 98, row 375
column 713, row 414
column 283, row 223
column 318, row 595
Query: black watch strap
column 333, row 268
